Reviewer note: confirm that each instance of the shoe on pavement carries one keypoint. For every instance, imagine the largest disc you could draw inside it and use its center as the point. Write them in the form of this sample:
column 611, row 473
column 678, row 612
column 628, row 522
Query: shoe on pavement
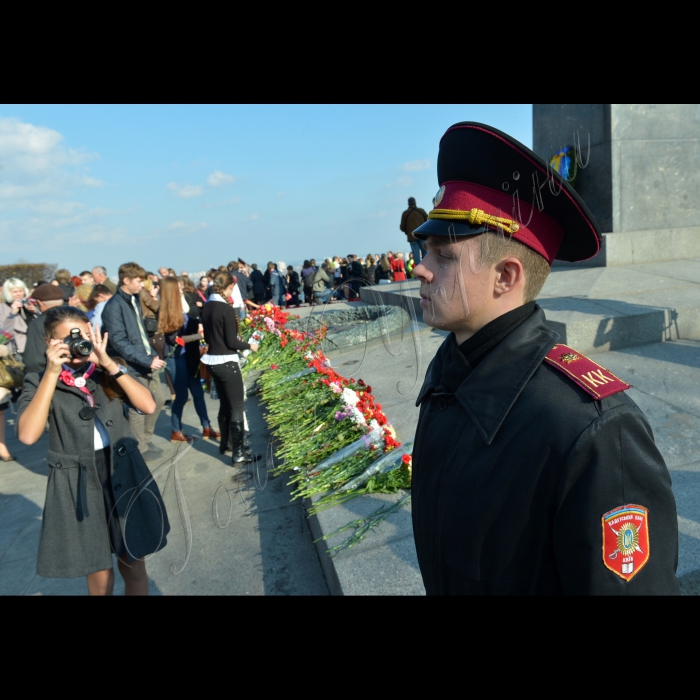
column 210, row 433
column 151, row 456
column 155, row 450
column 179, row 437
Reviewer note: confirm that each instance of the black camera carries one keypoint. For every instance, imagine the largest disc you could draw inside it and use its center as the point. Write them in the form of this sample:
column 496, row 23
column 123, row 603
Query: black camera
column 77, row 345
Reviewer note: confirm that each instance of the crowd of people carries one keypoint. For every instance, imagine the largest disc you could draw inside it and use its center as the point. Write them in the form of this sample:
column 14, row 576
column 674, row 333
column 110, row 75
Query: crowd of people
column 150, row 340
column 22, row 310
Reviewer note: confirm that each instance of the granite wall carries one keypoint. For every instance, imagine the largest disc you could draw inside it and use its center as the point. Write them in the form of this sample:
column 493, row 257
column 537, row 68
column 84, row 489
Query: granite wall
column 554, row 126
column 642, row 177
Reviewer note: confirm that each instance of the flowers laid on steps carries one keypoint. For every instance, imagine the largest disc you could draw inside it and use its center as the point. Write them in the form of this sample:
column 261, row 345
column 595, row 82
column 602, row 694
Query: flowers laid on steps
column 334, row 439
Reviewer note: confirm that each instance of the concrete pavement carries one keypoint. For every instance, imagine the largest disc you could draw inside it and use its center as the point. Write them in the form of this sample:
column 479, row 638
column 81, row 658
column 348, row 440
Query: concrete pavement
column 233, row 531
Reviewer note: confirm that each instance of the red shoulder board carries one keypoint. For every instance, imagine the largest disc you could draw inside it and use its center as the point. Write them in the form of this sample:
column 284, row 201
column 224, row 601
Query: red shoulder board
column 590, row 376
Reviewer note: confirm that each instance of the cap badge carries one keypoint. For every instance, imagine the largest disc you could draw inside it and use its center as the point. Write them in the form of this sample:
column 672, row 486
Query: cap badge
column 626, row 540
column 438, row 197
column 80, row 382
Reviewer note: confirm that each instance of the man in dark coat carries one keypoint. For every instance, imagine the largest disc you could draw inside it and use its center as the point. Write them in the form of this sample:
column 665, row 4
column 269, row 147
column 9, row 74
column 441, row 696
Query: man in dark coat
column 34, row 357
column 122, row 319
column 411, row 219
column 256, row 277
column 533, row 471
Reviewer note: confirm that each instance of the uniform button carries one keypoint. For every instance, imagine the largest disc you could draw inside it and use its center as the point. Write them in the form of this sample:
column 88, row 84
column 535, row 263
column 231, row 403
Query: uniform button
column 58, row 465
column 117, row 487
column 97, row 407
column 109, row 423
column 121, row 451
column 442, row 403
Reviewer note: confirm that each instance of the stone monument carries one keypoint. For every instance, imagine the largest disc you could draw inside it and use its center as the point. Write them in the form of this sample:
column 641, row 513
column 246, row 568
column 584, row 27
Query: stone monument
column 639, row 174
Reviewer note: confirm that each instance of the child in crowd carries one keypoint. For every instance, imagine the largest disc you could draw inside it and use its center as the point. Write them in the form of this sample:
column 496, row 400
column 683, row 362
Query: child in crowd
column 95, row 496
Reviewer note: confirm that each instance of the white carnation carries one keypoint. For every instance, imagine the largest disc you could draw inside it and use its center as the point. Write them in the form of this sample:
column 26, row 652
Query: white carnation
column 350, row 397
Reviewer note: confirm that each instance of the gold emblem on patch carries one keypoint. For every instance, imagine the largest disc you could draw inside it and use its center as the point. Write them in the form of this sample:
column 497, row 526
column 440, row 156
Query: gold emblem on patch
column 438, row 197
column 569, row 357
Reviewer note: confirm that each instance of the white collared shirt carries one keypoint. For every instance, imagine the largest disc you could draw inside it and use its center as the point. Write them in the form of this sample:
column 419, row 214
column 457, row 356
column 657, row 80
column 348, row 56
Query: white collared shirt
column 208, row 359
column 101, row 436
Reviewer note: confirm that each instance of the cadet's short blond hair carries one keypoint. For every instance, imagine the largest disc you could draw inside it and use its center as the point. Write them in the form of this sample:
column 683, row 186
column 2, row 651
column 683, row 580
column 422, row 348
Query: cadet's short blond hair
column 496, row 246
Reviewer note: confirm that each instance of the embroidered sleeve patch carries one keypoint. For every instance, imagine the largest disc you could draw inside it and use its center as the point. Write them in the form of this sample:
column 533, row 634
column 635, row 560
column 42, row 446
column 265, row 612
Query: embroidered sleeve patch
column 626, row 540
column 590, row 376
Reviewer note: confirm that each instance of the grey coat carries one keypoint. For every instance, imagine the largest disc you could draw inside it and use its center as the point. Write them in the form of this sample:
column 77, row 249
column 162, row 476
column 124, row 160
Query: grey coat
column 74, row 537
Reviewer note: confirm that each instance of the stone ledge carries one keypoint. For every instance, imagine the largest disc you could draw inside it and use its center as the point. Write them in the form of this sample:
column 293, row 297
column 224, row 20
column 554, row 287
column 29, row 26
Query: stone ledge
column 635, row 247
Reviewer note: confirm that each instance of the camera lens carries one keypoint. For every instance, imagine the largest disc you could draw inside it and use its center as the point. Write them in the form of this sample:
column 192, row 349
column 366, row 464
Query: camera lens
column 82, row 348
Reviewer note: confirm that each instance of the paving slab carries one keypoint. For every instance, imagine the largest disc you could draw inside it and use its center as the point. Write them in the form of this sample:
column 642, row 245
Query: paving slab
column 265, row 547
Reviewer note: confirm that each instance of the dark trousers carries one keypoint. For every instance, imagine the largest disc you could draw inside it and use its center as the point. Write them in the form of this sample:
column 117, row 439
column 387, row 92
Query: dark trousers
column 229, row 385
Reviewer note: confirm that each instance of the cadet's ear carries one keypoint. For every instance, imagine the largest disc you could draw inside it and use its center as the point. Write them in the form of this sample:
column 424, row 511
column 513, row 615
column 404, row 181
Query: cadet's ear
column 510, row 277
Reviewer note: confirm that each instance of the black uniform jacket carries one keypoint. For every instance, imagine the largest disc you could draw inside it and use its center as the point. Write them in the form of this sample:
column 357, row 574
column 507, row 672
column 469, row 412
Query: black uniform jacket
column 514, row 467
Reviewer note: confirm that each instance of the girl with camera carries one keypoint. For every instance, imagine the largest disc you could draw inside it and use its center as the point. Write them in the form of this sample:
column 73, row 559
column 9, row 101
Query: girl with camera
column 95, row 495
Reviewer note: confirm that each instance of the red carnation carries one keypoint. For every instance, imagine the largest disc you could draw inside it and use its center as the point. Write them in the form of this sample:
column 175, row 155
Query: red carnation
column 180, row 341
column 274, row 367
column 406, row 459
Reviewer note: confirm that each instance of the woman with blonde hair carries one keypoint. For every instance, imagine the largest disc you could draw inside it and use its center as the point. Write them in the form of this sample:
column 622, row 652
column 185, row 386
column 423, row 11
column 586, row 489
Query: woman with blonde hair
column 397, row 267
column 383, row 272
column 178, row 330
column 16, row 312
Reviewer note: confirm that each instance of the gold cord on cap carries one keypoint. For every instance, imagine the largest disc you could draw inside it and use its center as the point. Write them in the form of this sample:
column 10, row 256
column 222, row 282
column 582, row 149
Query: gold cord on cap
column 476, row 217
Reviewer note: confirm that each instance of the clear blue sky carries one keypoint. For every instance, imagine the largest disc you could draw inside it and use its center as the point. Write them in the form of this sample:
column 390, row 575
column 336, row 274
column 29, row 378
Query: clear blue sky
column 190, row 186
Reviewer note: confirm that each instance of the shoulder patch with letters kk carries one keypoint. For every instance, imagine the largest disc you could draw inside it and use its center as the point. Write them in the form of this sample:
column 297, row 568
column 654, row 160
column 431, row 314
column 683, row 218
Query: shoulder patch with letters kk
column 590, row 376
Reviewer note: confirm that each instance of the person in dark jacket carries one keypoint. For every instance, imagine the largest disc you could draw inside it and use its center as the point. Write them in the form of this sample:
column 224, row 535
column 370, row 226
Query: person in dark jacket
column 293, row 286
column 257, row 278
column 47, row 296
column 122, row 320
column 355, row 276
column 220, row 322
column 533, row 472
column 411, row 219
column 65, row 283
column 371, row 270
column 245, row 285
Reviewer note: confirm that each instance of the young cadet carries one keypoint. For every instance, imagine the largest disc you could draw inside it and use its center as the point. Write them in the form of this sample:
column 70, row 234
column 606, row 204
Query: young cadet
column 533, row 471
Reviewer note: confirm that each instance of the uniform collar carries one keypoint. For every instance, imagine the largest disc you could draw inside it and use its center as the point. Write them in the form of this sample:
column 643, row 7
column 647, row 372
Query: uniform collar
column 492, row 388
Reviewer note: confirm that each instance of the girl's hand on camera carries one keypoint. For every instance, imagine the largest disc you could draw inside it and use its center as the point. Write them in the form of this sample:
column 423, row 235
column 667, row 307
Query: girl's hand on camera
column 99, row 355
column 56, row 354
column 254, row 347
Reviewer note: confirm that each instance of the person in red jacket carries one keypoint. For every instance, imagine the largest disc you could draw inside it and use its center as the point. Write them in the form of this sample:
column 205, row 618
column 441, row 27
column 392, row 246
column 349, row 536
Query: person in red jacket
column 397, row 268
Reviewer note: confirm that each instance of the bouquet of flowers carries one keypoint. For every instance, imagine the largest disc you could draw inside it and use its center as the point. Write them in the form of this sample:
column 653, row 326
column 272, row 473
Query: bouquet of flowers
column 334, row 439
column 5, row 337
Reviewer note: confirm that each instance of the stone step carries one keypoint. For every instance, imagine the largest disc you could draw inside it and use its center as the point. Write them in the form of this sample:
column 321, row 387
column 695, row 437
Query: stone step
column 603, row 308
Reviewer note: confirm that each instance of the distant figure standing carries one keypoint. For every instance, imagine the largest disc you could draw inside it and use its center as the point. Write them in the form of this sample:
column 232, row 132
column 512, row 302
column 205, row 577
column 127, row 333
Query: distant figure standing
column 293, row 286
column 411, row 219
column 397, row 268
column 256, row 277
column 99, row 275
